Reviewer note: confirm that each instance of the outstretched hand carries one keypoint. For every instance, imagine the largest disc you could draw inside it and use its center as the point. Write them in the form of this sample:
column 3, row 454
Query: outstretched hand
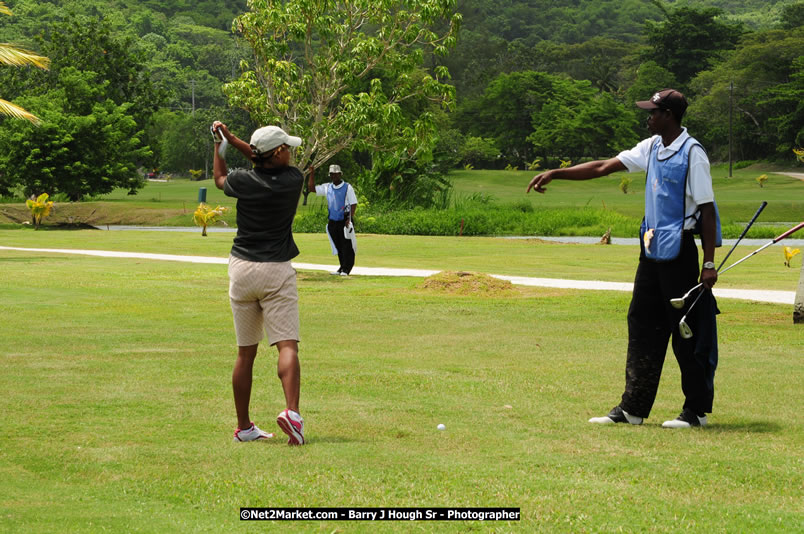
column 539, row 181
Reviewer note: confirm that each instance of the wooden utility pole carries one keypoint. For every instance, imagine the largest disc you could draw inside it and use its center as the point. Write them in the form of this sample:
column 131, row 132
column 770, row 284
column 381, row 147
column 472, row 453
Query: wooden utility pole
column 731, row 93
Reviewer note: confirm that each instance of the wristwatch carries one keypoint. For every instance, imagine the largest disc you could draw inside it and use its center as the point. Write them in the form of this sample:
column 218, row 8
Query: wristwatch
column 709, row 265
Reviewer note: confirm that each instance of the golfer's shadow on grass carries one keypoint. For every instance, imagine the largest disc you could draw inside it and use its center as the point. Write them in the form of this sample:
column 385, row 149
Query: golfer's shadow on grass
column 753, row 427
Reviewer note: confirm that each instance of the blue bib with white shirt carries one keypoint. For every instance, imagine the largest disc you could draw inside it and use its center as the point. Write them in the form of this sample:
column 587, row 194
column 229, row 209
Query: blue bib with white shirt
column 336, row 201
column 665, row 194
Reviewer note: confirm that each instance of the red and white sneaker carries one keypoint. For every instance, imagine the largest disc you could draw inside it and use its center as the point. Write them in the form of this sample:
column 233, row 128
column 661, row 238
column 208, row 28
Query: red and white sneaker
column 251, row 434
column 291, row 424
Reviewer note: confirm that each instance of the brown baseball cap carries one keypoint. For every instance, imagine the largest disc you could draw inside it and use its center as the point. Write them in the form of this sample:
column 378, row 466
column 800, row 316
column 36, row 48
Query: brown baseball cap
column 666, row 99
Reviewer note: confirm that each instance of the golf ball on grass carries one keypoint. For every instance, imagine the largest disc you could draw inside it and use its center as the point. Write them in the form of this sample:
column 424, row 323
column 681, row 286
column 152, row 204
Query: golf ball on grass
column 441, row 427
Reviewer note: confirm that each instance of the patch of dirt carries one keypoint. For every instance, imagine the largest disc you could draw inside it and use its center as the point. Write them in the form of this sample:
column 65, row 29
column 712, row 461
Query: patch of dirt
column 467, row 283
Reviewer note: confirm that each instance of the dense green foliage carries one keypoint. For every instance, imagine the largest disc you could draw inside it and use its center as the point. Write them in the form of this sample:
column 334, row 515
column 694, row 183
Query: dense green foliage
column 86, row 145
column 534, row 82
column 764, row 83
column 95, row 102
column 688, row 40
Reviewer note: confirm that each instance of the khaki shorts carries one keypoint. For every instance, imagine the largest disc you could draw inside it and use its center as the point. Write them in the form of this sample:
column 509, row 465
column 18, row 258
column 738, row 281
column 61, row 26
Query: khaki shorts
column 263, row 296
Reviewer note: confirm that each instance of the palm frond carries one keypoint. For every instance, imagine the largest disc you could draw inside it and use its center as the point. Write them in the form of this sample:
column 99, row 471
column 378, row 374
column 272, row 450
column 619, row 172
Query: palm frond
column 4, row 9
column 11, row 55
column 9, row 109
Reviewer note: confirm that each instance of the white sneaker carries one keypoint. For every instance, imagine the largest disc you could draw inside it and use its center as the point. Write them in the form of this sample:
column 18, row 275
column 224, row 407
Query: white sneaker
column 336, row 273
column 291, row 424
column 617, row 415
column 251, row 434
column 686, row 419
column 343, row 273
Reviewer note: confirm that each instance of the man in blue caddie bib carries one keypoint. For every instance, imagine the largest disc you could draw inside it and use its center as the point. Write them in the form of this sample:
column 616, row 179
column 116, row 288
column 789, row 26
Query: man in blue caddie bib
column 679, row 202
column 341, row 204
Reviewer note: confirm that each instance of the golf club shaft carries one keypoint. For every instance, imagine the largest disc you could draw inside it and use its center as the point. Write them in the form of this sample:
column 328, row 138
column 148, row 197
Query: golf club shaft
column 796, row 228
column 745, row 231
column 778, row 238
column 694, row 302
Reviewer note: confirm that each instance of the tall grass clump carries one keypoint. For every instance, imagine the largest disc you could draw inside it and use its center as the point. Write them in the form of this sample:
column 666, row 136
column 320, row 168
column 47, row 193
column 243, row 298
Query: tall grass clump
column 508, row 220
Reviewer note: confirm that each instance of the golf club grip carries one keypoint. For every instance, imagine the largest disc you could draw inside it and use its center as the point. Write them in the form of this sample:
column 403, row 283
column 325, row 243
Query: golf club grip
column 794, row 229
column 753, row 219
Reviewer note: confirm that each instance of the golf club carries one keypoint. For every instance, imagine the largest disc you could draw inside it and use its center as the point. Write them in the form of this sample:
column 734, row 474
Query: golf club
column 778, row 238
column 678, row 303
column 683, row 328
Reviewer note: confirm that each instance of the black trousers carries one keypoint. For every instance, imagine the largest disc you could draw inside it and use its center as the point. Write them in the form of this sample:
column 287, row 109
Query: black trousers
column 346, row 254
column 652, row 322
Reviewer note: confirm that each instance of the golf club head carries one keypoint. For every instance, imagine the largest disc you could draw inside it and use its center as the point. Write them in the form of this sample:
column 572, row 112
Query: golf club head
column 684, row 329
column 677, row 303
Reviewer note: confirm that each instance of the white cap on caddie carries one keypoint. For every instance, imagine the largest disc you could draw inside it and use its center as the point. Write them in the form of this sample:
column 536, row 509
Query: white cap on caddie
column 334, row 168
column 268, row 138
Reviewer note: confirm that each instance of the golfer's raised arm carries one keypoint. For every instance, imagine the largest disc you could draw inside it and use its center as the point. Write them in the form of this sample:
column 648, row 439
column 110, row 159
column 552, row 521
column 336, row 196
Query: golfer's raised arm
column 311, row 181
column 219, row 169
column 584, row 171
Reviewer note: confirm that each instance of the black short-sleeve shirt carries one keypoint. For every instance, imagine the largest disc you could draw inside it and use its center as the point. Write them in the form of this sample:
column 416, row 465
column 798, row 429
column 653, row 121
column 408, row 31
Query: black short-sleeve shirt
column 266, row 204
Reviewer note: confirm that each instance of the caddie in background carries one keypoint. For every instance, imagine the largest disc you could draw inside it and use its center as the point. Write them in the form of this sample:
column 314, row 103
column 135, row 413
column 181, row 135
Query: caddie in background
column 262, row 281
column 341, row 204
column 679, row 201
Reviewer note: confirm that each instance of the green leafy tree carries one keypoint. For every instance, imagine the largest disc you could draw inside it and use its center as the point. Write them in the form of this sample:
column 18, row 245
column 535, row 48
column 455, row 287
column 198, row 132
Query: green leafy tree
column 504, row 114
column 578, row 121
column 15, row 56
column 650, row 77
column 338, row 75
column 90, row 45
column 480, row 153
column 763, row 80
column 185, row 142
column 792, row 16
column 399, row 182
column 85, row 145
column 689, row 39
column 600, row 60
column 448, row 149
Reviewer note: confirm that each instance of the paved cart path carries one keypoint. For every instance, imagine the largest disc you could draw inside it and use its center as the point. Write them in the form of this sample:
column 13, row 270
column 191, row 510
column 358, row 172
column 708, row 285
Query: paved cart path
column 776, row 297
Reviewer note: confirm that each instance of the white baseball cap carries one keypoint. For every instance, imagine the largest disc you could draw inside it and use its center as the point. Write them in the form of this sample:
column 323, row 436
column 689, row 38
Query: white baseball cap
column 334, row 168
column 268, row 138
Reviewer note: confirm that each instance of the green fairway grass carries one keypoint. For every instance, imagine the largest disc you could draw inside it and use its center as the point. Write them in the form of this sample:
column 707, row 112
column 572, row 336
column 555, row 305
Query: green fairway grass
column 514, row 257
column 117, row 410
column 738, row 197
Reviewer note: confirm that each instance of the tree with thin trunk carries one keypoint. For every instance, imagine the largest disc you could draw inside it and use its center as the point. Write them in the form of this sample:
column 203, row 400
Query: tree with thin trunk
column 346, row 74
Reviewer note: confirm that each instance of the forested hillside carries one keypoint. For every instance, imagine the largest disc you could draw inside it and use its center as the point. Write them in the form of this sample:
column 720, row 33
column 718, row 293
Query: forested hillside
column 536, row 80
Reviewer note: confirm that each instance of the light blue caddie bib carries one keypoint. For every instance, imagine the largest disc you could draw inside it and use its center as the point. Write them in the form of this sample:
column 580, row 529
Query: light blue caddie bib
column 665, row 193
column 336, row 201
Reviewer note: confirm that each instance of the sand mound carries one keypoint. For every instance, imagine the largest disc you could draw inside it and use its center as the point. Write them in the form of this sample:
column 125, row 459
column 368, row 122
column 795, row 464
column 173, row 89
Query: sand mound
column 467, row 283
